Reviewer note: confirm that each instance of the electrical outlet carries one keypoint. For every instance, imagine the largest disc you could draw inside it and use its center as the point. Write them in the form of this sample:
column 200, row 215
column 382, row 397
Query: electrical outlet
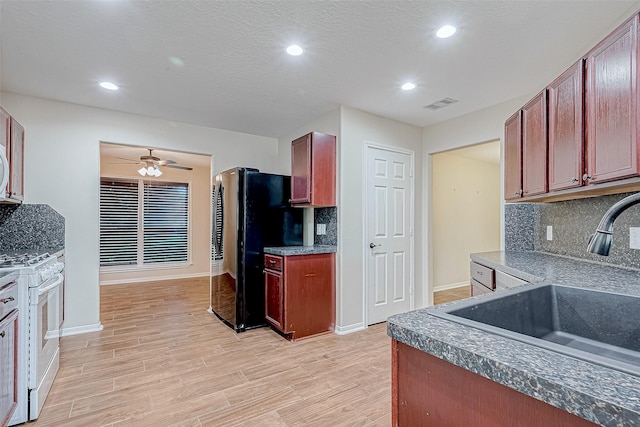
column 634, row 237
column 321, row 229
column 549, row 232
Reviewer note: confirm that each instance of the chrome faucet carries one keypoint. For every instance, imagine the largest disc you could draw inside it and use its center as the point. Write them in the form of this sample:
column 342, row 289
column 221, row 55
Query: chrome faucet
column 600, row 241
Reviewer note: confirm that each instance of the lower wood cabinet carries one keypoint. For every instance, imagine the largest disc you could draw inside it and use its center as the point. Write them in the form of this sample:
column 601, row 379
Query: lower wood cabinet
column 428, row 391
column 300, row 294
column 8, row 367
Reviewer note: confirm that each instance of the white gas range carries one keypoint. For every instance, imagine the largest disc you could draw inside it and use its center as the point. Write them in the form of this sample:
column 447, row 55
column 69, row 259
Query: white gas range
column 40, row 293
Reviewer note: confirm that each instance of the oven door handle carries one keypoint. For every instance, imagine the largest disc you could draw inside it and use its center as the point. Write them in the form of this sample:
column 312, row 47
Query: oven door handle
column 55, row 284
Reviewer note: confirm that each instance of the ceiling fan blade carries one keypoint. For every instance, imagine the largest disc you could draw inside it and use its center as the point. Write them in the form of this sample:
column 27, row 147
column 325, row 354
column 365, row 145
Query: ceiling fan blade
column 131, row 160
column 166, row 162
column 186, row 168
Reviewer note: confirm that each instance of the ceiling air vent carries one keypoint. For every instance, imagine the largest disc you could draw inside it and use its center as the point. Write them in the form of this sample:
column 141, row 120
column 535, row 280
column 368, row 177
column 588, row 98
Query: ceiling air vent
column 440, row 104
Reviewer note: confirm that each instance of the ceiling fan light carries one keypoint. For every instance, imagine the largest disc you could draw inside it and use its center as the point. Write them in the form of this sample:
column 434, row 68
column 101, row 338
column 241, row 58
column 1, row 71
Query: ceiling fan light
column 142, row 171
column 158, row 172
column 151, row 171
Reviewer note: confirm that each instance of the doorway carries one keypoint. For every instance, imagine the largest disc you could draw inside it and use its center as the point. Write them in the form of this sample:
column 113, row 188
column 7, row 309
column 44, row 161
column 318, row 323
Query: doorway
column 154, row 216
column 389, row 204
column 465, row 214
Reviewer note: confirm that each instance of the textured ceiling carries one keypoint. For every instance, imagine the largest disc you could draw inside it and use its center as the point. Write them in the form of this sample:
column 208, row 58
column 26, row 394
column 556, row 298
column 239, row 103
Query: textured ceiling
column 222, row 63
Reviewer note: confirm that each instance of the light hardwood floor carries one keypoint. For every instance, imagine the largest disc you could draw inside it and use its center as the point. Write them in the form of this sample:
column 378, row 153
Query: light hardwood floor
column 163, row 360
column 451, row 295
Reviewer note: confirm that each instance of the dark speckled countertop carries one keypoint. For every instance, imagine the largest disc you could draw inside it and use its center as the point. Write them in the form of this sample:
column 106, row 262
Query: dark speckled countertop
column 300, row 250
column 594, row 392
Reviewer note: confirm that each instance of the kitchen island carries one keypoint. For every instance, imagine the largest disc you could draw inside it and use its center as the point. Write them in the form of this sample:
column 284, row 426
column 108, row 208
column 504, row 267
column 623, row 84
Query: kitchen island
column 585, row 392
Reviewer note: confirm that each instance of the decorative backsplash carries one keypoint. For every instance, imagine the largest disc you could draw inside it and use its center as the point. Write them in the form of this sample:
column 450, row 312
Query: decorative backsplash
column 328, row 216
column 572, row 222
column 30, row 228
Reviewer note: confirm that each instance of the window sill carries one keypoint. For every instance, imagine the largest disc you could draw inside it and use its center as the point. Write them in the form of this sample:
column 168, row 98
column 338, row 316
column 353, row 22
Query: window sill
column 145, row 267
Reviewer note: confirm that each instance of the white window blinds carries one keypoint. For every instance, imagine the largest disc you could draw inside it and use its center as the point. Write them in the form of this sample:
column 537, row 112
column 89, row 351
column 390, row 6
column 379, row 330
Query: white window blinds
column 143, row 222
column 118, row 222
column 165, row 222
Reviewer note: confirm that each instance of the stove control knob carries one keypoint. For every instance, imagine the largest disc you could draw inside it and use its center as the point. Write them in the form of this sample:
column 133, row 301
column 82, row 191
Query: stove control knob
column 59, row 267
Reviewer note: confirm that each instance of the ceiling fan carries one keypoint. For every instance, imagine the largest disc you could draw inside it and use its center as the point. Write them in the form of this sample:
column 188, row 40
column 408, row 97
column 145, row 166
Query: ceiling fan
column 151, row 164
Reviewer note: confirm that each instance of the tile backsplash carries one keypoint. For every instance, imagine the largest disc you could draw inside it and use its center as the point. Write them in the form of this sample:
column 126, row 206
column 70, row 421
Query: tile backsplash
column 572, row 221
column 30, row 227
column 329, row 217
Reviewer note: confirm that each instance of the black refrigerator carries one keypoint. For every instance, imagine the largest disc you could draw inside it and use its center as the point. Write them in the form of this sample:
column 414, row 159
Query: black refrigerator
column 251, row 210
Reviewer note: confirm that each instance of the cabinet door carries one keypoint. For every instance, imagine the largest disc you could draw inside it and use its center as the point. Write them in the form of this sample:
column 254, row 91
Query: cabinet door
column 16, row 173
column 309, row 286
column 611, row 99
column 534, row 146
column 566, row 124
column 513, row 157
column 274, row 298
column 5, row 129
column 8, row 367
column 301, row 170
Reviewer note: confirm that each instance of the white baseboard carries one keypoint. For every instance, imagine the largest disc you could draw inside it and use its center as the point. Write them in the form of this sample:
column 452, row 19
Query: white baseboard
column 151, row 279
column 75, row 330
column 450, row 286
column 344, row 330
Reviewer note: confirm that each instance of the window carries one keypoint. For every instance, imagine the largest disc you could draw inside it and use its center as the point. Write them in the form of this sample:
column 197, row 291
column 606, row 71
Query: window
column 143, row 222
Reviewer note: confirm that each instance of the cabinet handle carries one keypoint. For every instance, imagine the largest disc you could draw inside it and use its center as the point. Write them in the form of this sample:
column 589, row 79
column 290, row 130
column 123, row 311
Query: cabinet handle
column 586, row 177
column 271, row 261
column 518, row 193
column 574, row 179
column 2, row 334
column 6, row 300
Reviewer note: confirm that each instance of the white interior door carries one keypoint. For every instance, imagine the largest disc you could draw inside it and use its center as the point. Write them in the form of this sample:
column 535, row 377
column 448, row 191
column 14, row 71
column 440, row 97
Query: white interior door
column 389, row 228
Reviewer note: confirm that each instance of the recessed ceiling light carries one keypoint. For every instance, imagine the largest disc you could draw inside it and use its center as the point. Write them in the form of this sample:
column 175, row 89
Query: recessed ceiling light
column 109, row 86
column 446, row 31
column 294, row 50
column 408, row 86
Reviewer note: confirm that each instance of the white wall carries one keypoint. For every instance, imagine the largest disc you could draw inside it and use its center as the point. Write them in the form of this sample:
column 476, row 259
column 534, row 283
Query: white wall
column 359, row 127
column 62, row 156
column 481, row 126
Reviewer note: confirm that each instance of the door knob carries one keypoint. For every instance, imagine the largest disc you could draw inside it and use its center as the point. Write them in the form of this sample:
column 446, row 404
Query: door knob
column 371, row 245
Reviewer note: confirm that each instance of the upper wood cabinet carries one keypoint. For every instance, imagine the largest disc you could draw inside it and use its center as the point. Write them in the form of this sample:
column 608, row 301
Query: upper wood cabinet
column 12, row 140
column 513, row 157
column 566, row 124
column 612, row 102
column 313, row 170
column 534, row 146
column 5, row 129
column 593, row 122
column 16, row 161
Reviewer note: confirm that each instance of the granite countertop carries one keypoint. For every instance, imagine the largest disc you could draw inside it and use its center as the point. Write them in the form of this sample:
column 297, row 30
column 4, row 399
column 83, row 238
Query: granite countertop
column 300, row 250
column 594, row 392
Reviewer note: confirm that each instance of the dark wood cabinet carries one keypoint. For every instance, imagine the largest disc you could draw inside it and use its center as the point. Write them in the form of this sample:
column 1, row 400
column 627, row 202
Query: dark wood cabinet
column 612, row 103
column 16, row 161
column 8, row 367
column 534, row 146
column 5, row 129
column 313, row 170
column 300, row 298
column 274, row 298
column 513, row 157
column 566, row 129
column 428, row 391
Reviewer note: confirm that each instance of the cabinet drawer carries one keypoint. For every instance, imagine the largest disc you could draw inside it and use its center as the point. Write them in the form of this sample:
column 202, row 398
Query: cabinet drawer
column 8, row 299
column 478, row 288
column 273, row 262
column 504, row 280
column 484, row 275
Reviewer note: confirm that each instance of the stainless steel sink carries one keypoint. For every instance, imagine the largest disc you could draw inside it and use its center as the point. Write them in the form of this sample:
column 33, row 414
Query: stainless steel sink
column 600, row 327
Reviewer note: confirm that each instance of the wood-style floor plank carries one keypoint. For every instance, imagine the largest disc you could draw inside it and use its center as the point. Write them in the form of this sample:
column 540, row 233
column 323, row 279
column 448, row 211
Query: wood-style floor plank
column 163, row 360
